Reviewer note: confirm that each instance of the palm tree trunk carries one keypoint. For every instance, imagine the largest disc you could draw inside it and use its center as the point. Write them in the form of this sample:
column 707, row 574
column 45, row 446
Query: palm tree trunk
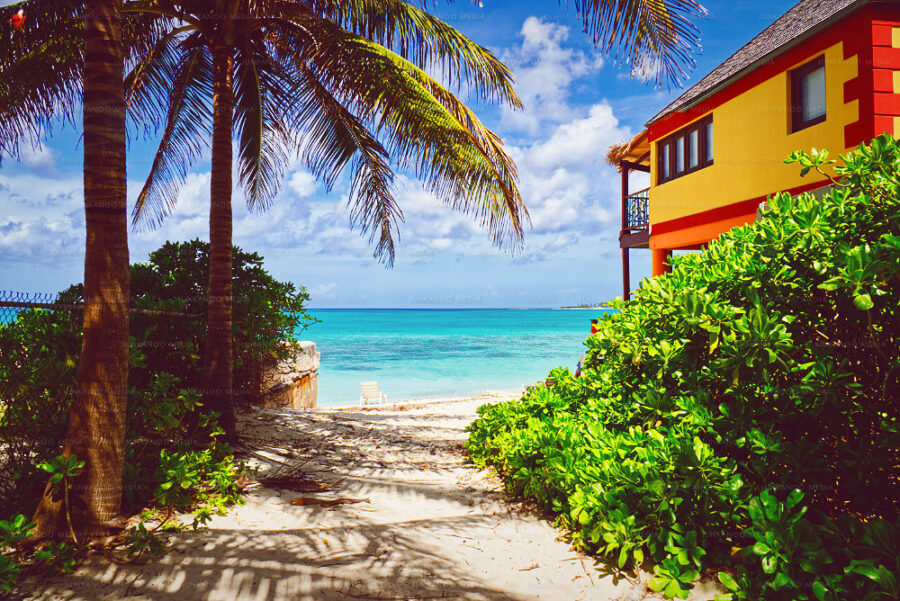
column 217, row 361
column 96, row 428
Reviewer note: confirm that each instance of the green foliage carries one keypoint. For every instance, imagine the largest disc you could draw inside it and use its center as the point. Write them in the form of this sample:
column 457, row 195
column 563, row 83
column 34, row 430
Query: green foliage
column 740, row 411
column 267, row 315
column 56, row 557
column 40, row 350
column 12, row 532
column 62, row 469
column 9, row 572
column 140, row 540
column 38, row 362
column 205, row 481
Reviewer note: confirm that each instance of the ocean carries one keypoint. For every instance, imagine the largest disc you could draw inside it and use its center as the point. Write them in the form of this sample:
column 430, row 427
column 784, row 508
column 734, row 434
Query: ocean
column 439, row 353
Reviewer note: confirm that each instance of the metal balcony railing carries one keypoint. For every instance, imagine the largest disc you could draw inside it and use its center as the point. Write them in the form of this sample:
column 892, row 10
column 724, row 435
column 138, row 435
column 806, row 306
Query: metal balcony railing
column 637, row 210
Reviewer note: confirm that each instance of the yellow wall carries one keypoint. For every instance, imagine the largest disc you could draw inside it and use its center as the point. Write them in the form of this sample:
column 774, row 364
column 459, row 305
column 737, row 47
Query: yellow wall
column 751, row 139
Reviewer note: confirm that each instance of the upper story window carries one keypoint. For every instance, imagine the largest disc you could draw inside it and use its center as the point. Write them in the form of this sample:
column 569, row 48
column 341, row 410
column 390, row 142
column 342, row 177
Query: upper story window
column 685, row 151
column 808, row 94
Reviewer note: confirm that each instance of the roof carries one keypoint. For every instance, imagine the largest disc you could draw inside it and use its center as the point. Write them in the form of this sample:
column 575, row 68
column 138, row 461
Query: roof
column 804, row 17
column 636, row 150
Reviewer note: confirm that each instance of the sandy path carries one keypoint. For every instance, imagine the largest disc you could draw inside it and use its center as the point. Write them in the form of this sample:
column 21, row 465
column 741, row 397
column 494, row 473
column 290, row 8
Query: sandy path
column 432, row 527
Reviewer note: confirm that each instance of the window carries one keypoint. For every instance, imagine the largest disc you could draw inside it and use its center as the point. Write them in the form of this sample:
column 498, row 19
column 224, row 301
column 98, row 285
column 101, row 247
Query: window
column 694, row 139
column 686, row 151
column 665, row 162
column 808, row 94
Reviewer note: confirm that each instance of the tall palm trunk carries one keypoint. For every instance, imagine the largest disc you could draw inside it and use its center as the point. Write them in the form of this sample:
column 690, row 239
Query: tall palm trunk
column 217, row 360
column 96, row 428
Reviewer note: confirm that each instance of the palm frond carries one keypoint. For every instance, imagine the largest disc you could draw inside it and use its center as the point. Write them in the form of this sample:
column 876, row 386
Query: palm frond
column 188, row 129
column 332, row 137
column 425, row 128
column 40, row 70
column 264, row 141
column 421, row 38
column 149, row 82
column 656, row 37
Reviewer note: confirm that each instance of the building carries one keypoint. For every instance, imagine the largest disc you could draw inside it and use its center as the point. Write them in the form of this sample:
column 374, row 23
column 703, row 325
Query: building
column 826, row 74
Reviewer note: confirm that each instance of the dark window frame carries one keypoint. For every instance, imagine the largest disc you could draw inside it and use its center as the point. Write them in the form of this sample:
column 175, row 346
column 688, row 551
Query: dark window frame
column 671, row 140
column 796, row 100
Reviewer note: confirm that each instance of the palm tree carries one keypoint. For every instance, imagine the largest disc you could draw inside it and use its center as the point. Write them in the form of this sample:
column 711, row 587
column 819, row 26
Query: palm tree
column 344, row 83
column 337, row 54
column 286, row 78
column 96, row 427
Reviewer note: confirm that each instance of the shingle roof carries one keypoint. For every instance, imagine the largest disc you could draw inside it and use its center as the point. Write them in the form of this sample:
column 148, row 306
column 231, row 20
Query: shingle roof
column 804, row 16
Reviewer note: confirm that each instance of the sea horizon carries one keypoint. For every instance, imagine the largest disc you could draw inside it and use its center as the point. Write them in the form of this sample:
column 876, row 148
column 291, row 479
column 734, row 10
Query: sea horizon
column 428, row 353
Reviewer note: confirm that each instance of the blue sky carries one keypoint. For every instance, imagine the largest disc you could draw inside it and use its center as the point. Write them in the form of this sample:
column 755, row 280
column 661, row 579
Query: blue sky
column 577, row 104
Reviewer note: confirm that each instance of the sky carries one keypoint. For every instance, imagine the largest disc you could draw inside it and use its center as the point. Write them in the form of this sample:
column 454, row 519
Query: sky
column 577, row 103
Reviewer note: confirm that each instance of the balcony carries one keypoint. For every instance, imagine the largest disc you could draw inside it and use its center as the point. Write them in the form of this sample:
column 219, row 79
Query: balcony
column 635, row 231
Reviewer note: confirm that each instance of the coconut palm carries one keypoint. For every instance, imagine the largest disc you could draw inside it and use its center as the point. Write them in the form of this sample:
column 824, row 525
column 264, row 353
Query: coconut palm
column 287, row 79
column 41, row 80
column 338, row 54
column 344, row 83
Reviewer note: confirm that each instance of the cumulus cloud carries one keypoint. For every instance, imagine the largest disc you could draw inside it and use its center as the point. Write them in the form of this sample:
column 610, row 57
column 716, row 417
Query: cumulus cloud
column 544, row 69
column 572, row 195
column 42, row 156
column 303, row 183
column 41, row 240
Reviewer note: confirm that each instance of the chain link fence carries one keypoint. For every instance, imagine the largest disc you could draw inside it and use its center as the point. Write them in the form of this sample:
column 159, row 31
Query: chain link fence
column 11, row 302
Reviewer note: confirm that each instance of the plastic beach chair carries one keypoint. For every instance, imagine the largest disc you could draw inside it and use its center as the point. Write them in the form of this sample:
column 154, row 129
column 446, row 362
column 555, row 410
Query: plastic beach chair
column 371, row 394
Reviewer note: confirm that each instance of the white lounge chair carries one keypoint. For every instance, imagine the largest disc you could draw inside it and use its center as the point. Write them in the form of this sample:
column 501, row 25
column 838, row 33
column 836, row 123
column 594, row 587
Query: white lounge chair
column 371, row 394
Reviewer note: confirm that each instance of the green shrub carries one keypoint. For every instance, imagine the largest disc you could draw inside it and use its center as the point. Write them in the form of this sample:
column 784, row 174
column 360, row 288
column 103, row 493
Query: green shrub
column 40, row 350
column 745, row 401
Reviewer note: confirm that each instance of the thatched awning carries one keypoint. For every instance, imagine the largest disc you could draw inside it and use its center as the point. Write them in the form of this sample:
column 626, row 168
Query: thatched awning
column 637, row 151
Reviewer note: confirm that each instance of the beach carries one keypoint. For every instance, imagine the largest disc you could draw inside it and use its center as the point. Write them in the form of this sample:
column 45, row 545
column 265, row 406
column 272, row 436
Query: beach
column 434, row 354
column 373, row 502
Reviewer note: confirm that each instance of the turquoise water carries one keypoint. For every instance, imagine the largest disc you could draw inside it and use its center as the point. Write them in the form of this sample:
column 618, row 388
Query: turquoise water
column 420, row 354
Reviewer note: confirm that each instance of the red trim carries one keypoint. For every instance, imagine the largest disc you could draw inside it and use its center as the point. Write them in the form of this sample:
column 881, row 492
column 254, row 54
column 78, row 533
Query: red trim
column 882, row 124
column 887, row 104
column 882, row 35
column 885, row 58
column 736, row 209
column 859, row 131
column 878, row 80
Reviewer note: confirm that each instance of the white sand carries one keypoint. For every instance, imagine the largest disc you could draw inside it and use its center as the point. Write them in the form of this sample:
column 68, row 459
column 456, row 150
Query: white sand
column 433, row 527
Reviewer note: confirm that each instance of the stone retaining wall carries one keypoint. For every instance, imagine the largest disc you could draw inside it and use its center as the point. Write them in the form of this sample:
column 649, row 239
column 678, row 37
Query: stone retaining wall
column 292, row 384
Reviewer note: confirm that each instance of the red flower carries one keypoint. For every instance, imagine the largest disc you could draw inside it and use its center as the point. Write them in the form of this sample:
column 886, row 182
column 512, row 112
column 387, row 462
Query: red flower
column 18, row 19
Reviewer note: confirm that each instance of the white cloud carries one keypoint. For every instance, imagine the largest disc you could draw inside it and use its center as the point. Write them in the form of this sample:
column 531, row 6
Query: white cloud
column 544, row 68
column 303, row 183
column 42, row 156
column 41, row 240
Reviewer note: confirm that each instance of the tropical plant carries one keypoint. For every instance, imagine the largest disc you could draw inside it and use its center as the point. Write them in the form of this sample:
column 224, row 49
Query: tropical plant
column 343, row 83
column 96, row 430
column 84, row 44
column 740, row 411
column 40, row 350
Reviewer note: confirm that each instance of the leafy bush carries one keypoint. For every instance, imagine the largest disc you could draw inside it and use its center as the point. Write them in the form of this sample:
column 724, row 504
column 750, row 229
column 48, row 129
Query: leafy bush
column 38, row 363
column 39, row 354
column 747, row 400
